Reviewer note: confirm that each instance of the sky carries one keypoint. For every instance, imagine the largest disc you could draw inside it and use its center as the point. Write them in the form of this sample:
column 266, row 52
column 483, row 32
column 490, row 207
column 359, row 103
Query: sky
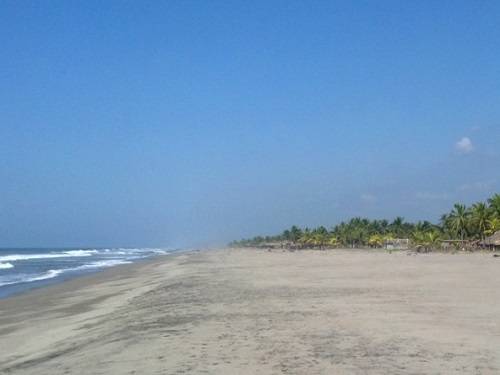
column 192, row 123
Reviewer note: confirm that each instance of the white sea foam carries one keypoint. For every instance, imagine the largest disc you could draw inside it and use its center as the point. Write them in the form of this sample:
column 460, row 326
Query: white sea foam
column 92, row 259
column 50, row 274
column 80, row 253
column 101, row 264
column 159, row 251
column 47, row 275
column 65, row 254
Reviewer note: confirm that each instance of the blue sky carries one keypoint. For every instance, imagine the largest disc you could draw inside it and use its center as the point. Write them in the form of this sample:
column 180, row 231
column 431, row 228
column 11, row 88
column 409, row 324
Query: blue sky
column 186, row 123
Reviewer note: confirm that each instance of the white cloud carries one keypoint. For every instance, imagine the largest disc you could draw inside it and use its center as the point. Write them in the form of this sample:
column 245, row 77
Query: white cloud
column 464, row 145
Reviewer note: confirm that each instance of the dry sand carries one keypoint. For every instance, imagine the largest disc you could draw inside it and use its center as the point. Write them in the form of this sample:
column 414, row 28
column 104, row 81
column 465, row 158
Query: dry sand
column 259, row 312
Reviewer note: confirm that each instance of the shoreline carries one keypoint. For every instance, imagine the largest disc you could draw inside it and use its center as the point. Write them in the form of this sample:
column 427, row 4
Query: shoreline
column 21, row 288
column 81, row 280
column 245, row 311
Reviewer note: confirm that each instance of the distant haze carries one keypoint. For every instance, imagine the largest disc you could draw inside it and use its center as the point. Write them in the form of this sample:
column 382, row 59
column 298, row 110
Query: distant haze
column 194, row 123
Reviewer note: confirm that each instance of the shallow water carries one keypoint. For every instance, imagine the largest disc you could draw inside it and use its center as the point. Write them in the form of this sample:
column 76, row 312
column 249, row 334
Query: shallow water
column 23, row 269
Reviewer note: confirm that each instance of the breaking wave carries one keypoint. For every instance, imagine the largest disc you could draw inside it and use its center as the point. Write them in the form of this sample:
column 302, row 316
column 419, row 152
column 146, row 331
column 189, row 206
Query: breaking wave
column 64, row 254
column 23, row 278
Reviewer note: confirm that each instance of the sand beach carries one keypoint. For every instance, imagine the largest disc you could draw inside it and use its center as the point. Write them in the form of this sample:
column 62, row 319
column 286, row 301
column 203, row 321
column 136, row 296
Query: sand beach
column 250, row 311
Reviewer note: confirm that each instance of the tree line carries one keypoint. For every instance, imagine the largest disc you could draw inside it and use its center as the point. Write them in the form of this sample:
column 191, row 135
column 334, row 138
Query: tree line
column 463, row 223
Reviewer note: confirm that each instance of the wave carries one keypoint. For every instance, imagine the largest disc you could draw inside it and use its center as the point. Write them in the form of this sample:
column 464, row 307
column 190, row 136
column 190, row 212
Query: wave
column 48, row 265
column 80, row 253
column 160, row 251
column 64, row 254
column 133, row 253
column 50, row 274
column 100, row 264
column 47, row 275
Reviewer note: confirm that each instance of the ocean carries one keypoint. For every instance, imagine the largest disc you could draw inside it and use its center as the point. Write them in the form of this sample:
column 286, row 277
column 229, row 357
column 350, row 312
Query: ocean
column 24, row 269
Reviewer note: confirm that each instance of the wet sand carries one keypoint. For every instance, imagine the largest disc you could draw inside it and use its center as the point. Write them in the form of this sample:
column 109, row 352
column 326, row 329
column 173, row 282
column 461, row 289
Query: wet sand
column 258, row 312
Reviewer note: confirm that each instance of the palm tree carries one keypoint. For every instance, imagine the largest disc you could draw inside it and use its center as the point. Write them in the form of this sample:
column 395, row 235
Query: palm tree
column 318, row 240
column 426, row 240
column 480, row 215
column 459, row 220
column 319, row 236
column 424, row 226
column 397, row 226
column 295, row 234
column 305, row 238
column 384, row 225
column 494, row 203
column 376, row 240
column 417, row 238
column 445, row 222
column 493, row 226
column 333, row 241
column 342, row 233
column 477, row 222
column 361, row 236
column 433, row 239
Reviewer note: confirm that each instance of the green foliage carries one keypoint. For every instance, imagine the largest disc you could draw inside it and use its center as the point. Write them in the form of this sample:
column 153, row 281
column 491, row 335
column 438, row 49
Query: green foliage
column 376, row 240
column 458, row 220
column 479, row 217
column 465, row 223
column 493, row 226
column 494, row 205
column 426, row 240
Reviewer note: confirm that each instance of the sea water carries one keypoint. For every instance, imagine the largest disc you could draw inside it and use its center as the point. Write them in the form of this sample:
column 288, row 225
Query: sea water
column 23, row 269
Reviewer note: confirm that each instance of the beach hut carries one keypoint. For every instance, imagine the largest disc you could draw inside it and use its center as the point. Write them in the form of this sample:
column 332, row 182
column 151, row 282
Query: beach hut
column 397, row 244
column 456, row 245
column 492, row 242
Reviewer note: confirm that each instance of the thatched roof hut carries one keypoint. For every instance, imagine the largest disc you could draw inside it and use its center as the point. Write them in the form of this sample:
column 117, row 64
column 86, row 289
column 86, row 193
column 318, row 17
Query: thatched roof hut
column 492, row 241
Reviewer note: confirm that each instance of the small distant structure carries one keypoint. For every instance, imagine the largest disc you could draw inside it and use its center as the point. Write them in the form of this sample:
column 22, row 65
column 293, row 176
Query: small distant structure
column 492, row 242
column 465, row 245
column 269, row 245
column 397, row 244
